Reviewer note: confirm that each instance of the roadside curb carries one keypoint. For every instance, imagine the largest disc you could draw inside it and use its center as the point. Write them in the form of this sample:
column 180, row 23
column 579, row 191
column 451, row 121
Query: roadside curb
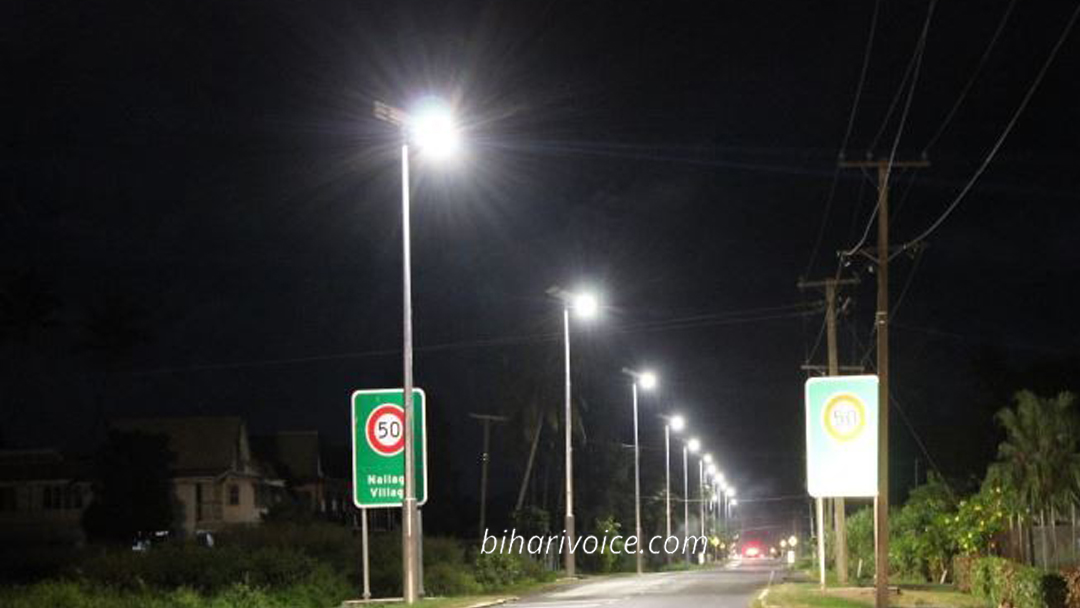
column 494, row 602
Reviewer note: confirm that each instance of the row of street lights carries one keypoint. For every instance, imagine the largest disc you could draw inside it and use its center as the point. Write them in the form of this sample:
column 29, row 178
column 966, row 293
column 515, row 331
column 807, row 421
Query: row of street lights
column 432, row 128
column 585, row 306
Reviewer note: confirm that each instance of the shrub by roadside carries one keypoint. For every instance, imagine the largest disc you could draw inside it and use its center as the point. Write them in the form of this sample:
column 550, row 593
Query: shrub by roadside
column 1006, row 583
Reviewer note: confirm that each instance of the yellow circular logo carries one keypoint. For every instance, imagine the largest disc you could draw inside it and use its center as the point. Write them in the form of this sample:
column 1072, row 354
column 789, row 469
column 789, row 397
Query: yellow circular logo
column 845, row 416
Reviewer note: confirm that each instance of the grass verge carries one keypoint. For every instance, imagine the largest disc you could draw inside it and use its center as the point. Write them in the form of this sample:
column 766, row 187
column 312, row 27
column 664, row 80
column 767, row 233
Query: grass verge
column 807, row 595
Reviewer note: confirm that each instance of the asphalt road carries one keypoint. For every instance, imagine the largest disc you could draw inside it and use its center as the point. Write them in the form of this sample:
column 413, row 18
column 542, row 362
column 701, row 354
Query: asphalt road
column 733, row 586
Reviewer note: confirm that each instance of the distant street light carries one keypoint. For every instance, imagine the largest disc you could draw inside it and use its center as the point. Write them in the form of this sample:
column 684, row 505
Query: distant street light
column 647, row 380
column 689, row 446
column 694, row 445
column 585, row 306
column 674, row 423
column 707, row 458
column 434, row 131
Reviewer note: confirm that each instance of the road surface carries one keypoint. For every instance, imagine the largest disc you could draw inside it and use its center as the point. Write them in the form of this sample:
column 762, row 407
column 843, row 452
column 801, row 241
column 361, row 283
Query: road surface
column 733, row 586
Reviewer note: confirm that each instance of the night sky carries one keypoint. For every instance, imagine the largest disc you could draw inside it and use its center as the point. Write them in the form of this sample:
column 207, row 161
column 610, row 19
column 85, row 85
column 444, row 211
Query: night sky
column 207, row 181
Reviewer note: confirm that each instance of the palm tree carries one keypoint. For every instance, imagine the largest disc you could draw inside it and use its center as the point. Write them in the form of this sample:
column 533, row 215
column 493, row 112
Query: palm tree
column 28, row 309
column 113, row 330
column 1037, row 462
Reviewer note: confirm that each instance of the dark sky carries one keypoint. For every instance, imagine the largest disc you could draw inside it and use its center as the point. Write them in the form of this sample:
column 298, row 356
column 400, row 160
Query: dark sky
column 211, row 174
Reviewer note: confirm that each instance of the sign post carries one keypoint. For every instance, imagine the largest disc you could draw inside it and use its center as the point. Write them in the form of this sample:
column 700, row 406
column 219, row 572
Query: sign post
column 378, row 440
column 378, row 455
column 841, row 442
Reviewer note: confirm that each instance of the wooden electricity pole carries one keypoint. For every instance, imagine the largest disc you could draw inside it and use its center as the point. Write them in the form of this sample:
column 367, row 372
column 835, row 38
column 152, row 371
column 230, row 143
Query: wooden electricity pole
column 881, row 325
column 485, row 457
column 839, row 516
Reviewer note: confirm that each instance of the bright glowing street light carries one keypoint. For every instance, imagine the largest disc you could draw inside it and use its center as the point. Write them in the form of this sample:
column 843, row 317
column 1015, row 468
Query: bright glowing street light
column 694, row 445
column 677, row 423
column 647, row 380
column 711, row 469
column 433, row 128
column 708, row 458
column 585, row 305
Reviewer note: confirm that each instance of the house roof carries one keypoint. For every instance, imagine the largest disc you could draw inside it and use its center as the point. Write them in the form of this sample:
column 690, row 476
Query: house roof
column 42, row 465
column 204, row 445
column 293, row 454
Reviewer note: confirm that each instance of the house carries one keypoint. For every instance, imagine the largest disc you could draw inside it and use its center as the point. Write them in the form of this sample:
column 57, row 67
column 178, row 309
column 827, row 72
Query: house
column 42, row 496
column 297, row 457
column 216, row 480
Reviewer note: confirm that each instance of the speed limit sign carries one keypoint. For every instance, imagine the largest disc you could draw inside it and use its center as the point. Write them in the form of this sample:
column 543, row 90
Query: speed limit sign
column 385, row 429
column 378, row 440
column 842, row 436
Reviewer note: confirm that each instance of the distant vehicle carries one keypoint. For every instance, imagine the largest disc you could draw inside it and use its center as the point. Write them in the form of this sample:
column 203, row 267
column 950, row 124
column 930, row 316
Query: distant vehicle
column 752, row 551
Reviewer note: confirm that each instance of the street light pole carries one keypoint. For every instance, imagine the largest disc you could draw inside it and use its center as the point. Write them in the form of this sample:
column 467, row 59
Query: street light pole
column 701, row 492
column 408, row 509
column 568, row 558
column 637, row 479
column 435, row 132
column 667, row 481
column 647, row 381
column 686, row 495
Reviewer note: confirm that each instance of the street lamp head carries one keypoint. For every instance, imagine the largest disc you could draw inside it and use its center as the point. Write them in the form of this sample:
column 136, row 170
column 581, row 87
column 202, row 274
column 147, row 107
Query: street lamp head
column 707, row 458
column 647, row 380
column 433, row 129
column 731, row 491
column 734, row 502
column 711, row 469
column 585, row 305
column 693, row 445
column 677, row 423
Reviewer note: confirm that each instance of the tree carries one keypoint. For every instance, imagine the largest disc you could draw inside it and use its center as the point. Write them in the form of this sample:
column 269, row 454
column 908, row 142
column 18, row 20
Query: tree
column 28, row 310
column 923, row 545
column 1037, row 467
column 132, row 488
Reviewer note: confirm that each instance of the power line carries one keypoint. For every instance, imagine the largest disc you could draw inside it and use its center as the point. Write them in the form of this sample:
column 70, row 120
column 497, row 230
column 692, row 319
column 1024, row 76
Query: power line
column 914, row 433
column 752, row 315
column 1004, row 134
column 847, row 136
column 883, row 184
column 974, row 77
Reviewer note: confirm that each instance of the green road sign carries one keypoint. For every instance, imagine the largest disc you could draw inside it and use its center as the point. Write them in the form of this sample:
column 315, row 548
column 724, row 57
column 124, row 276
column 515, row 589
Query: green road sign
column 378, row 442
column 842, row 436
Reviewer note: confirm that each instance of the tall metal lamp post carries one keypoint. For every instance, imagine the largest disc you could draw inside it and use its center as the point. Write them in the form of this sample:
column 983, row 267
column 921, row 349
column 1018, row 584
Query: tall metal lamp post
column 432, row 128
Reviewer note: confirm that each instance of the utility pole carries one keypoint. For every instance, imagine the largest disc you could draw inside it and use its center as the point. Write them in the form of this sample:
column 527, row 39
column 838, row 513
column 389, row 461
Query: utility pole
column 881, row 325
column 839, row 516
column 485, row 457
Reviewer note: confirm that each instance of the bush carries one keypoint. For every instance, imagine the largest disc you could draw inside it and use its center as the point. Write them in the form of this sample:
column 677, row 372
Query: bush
column 1007, row 583
column 203, row 569
column 449, row 579
column 494, row 570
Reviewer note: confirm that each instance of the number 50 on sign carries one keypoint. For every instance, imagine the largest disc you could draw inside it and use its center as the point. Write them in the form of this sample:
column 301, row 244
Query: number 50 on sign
column 378, row 440
column 842, row 436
